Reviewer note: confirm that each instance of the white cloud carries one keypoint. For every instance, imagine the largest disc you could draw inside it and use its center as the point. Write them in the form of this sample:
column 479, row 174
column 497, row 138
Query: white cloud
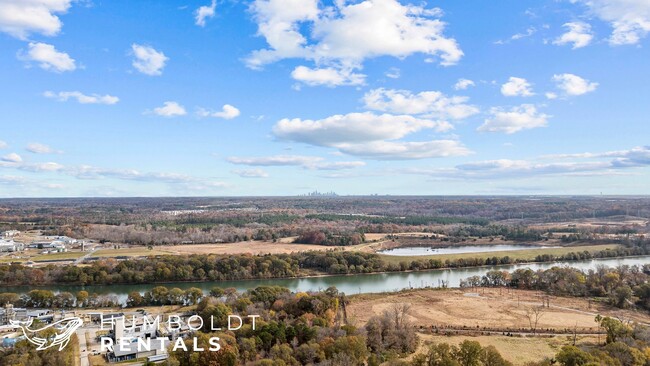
column 637, row 156
column 342, row 36
column 517, row 87
column 574, row 85
column 398, row 150
column 205, row 12
column 82, row 98
column 306, row 162
column 147, row 60
column 227, row 112
column 251, row 173
column 3, row 145
column 463, row 84
column 516, row 119
column 12, row 158
column 352, row 128
column 431, row 104
column 578, row 35
column 630, row 19
column 170, row 109
column 48, row 58
column 550, row 95
column 370, row 135
column 393, row 73
column 276, row 160
column 506, row 168
column 327, row 76
column 37, row 148
column 20, row 18
column 42, row 167
column 515, row 37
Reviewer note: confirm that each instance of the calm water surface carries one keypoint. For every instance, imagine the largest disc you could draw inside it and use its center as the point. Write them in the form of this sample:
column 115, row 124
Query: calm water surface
column 377, row 282
column 460, row 249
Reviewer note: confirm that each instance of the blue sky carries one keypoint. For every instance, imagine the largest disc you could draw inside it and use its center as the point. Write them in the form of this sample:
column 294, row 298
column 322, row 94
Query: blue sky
column 283, row 97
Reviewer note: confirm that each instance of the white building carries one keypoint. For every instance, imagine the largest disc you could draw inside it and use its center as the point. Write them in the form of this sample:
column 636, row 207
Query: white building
column 10, row 234
column 10, row 246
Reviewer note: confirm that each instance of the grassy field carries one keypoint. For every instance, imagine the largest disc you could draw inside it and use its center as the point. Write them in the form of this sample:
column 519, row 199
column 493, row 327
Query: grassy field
column 59, row 256
column 129, row 252
column 527, row 254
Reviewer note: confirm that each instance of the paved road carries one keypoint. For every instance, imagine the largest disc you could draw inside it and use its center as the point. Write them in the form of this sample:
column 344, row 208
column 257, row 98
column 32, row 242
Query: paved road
column 83, row 348
column 83, row 258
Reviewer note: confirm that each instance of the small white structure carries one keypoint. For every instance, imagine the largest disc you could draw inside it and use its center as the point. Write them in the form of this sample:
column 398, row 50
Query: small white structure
column 10, row 234
column 10, row 246
column 65, row 240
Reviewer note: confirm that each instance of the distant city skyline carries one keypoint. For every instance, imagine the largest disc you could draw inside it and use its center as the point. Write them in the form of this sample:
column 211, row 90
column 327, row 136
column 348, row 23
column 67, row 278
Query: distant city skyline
column 289, row 97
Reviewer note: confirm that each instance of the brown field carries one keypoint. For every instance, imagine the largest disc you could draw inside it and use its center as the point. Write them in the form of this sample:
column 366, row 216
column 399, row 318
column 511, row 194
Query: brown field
column 517, row 350
column 492, row 308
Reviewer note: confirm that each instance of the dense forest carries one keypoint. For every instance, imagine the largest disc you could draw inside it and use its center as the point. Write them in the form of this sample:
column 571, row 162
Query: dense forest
column 623, row 287
column 157, row 221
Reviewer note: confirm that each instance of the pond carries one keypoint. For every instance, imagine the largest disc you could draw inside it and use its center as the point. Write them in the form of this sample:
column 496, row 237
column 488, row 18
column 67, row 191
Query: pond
column 460, row 249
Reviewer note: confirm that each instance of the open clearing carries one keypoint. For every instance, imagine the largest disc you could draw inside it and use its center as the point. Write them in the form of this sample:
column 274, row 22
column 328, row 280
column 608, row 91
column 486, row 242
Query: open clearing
column 492, row 308
column 517, row 350
column 59, row 256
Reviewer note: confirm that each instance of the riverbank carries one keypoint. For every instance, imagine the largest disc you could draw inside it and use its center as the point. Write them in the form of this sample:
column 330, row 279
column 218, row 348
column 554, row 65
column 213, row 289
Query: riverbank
column 349, row 284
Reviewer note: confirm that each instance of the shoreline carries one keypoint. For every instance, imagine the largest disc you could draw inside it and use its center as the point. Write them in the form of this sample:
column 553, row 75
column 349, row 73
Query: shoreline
column 323, row 275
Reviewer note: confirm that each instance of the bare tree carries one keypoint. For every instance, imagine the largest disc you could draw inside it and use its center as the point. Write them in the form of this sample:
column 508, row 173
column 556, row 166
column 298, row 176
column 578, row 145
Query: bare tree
column 534, row 314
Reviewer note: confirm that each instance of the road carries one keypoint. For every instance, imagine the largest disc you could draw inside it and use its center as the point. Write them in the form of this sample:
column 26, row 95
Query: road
column 83, row 258
column 83, row 348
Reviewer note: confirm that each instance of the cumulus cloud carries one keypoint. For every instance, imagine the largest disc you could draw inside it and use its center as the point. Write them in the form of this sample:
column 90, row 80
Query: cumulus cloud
column 431, row 104
column 227, row 112
column 352, row 128
column 251, row 173
column 574, row 85
column 463, row 84
column 48, row 57
column 81, row 97
column 327, row 76
column 306, row 162
column 516, row 119
column 344, row 35
column 20, row 18
column 170, row 109
column 630, row 19
column 578, row 34
column 205, row 12
column 398, row 150
column 3, row 145
column 37, row 148
column 147, row 60
column 517, row 87
column 12, row 158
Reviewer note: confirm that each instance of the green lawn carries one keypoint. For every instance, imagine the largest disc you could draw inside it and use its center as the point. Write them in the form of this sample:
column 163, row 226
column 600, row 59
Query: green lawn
column 59, row 256
column 527, row 254
column 128, row 252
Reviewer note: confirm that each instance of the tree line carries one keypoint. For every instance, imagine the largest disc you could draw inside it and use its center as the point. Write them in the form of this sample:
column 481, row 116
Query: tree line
column 623, row 287
column 177, row 268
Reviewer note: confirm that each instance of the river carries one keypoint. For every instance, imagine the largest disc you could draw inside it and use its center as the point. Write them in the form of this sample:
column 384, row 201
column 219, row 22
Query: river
column 350, row 284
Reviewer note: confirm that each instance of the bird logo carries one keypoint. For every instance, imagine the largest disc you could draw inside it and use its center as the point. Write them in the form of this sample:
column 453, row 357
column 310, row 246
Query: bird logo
column 64, row 329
